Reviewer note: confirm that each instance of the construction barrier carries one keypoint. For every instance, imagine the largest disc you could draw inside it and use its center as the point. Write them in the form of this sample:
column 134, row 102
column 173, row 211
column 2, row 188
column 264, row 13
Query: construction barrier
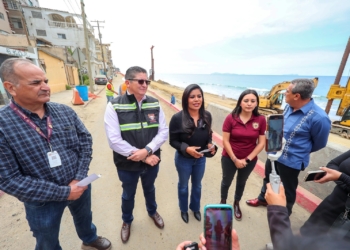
column 76, row 100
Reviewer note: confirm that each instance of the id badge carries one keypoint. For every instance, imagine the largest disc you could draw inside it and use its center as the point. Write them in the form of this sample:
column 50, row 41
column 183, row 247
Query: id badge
column 54, row 159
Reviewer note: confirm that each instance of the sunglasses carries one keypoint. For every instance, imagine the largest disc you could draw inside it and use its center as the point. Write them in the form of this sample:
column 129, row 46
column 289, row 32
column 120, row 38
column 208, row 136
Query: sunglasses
column 140, row 81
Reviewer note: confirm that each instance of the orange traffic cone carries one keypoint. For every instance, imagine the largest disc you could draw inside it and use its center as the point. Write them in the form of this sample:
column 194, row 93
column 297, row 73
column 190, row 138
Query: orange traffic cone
column 76, row 100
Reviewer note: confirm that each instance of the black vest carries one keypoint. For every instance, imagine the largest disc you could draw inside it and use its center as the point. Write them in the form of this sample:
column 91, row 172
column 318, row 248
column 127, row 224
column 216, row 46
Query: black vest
column 138, row 127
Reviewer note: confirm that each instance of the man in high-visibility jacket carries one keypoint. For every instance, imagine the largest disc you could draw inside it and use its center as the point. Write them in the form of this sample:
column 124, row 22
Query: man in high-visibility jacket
column 110, row 90
column 136, row 128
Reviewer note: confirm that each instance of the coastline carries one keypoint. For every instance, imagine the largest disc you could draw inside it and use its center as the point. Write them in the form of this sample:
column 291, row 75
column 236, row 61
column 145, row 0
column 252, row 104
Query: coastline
column 164, row 89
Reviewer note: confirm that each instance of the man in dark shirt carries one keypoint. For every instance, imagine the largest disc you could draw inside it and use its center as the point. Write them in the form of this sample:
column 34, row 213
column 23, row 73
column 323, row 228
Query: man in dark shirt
column 45, row 150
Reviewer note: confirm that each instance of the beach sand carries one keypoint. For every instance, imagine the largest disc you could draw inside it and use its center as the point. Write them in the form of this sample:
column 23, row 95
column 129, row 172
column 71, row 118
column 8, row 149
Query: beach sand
column 165, row 89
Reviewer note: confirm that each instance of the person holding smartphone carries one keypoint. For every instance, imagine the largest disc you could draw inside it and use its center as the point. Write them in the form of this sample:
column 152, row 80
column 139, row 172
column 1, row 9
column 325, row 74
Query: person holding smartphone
column 243, row 134
column 326, row 213
column 306, row 129
column 190, row 133
column 280, row 227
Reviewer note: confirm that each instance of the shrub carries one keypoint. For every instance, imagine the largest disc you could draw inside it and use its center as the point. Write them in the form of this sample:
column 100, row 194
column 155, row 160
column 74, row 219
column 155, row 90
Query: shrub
column 87, row 82
column 68, row 87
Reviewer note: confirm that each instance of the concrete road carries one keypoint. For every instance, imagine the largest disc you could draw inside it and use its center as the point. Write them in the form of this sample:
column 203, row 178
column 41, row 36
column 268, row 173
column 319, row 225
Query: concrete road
column 106, row 199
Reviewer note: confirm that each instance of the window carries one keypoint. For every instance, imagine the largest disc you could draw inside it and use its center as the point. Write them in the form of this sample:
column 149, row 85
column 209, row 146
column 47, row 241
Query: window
column 2, row 16
column 30, row 3
column 61, row 36
column 41, row 32
column 17, row 23
column 12, row 5
column 37, row 14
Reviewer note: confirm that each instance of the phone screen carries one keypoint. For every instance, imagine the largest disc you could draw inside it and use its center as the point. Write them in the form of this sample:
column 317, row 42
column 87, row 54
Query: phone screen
column 316, row 175
column 218, row 226
column 275, row 133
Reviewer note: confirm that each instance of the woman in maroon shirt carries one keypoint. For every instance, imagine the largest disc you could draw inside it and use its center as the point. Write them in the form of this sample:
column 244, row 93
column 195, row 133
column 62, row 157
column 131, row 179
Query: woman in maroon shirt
column 243, row 134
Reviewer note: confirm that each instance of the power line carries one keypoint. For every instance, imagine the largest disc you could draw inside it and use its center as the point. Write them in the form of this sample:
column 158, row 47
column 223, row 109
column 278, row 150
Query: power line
column 78, row 6
column 71, row 6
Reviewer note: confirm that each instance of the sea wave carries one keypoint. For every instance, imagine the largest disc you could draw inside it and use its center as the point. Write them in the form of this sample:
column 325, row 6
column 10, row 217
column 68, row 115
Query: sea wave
column 221, row 85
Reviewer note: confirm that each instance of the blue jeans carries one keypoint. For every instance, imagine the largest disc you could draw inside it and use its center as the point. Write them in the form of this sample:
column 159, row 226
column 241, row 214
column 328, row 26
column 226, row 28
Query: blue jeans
column 109, row 98
column 44, row 219
column 129, row 181
column 186, row 168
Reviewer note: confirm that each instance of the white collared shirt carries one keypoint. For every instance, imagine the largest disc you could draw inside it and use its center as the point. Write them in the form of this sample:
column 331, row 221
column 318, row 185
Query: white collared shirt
column 115, row 140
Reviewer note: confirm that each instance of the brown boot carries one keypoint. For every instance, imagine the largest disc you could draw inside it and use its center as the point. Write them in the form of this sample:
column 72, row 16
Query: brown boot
column 237, row 210
column 223, row 201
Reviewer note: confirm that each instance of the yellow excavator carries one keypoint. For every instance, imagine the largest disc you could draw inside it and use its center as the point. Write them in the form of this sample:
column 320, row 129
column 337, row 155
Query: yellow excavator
column 271, row 101
column 336, row 91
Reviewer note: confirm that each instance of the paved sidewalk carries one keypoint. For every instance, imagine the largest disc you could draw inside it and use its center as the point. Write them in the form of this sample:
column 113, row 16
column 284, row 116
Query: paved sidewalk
column 106, row 198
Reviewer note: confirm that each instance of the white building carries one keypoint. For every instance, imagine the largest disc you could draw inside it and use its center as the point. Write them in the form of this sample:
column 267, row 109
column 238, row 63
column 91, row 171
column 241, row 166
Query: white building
column 33, row 3
column 61, row 28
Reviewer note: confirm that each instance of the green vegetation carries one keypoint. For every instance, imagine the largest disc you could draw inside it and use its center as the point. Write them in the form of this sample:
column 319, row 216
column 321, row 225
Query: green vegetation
column 68, row 87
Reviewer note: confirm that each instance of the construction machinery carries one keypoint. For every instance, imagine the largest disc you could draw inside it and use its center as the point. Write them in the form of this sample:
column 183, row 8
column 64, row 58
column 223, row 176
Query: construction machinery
column 336, row 91
column 272, row 101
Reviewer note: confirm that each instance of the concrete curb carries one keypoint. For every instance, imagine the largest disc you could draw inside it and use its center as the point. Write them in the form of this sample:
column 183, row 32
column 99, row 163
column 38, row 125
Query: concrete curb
column 304, row 198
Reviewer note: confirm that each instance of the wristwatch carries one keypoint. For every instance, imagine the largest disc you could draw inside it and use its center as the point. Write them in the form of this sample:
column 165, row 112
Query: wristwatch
column 149, row 150
column 247, row 160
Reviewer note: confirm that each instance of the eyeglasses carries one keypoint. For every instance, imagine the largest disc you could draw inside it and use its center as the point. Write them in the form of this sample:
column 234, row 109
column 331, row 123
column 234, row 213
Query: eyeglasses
column 141, row 81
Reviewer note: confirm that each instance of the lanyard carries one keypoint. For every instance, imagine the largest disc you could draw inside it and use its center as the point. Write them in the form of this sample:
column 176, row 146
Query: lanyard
column 33, row 125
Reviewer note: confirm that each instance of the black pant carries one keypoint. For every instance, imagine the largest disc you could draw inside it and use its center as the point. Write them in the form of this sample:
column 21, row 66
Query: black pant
column 289, row 178
column 228, row 172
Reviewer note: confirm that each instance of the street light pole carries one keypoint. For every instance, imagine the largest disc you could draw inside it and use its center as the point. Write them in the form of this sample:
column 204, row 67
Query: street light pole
column 152, row 62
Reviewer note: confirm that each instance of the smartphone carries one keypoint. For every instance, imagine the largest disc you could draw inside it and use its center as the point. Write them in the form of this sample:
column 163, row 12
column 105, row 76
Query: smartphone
column 314, row 175
column 218, row 226
column 192, row 246
column 274, row 133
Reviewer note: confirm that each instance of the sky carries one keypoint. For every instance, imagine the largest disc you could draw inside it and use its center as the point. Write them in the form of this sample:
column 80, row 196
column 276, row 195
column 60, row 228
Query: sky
column 256, row 37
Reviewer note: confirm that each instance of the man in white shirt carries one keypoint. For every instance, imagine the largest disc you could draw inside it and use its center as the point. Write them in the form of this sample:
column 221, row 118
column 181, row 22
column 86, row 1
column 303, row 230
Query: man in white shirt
column 136, row 128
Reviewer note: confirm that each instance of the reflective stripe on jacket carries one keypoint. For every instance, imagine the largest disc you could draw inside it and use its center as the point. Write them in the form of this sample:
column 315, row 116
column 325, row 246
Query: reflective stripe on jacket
column 138, row 127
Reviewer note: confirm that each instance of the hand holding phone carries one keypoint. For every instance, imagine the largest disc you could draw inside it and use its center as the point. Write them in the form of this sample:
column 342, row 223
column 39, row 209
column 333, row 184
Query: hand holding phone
column 207, row 150
column 314, row 175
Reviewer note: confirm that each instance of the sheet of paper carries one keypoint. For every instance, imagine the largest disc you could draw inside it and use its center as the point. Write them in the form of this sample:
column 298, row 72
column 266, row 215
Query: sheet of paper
column 88, row 180
column 206, row 150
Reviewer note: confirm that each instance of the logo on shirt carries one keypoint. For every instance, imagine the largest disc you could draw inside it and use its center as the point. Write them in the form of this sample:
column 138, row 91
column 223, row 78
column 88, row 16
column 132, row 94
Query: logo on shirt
column 255, row 125
column 152, row 118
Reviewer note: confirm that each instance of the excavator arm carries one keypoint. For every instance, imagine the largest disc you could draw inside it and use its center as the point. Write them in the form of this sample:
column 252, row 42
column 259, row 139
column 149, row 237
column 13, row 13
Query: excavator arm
column 273, row 100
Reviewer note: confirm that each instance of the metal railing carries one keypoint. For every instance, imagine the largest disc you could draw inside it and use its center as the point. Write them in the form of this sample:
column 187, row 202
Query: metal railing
column 67, row 25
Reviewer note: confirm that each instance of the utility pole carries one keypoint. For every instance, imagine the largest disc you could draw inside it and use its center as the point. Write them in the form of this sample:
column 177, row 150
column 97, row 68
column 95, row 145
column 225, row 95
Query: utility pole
column 87, row 46
column 339, row 73
column 152, row 62
column 100, row 36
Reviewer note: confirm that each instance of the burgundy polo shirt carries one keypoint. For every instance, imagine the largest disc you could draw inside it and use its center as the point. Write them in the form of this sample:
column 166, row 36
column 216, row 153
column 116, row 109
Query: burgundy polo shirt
column 243, row 137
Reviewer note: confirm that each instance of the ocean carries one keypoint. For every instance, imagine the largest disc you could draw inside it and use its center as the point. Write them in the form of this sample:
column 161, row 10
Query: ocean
column 232, row 85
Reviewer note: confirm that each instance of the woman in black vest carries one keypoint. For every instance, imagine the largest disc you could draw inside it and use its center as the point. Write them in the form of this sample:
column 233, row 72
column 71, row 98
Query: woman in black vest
column 190, row 133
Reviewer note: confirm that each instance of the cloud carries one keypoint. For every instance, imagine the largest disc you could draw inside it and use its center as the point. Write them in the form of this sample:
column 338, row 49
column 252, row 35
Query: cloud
column 180, row 27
